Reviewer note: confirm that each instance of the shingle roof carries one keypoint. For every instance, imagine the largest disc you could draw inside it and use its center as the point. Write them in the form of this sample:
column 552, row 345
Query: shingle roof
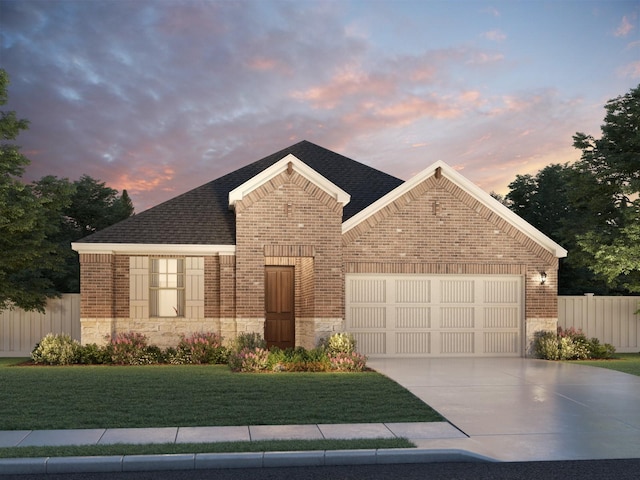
column 202, row 216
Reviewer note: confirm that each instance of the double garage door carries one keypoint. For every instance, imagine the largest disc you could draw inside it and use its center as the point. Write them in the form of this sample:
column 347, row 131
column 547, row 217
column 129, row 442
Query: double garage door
column 435, row 315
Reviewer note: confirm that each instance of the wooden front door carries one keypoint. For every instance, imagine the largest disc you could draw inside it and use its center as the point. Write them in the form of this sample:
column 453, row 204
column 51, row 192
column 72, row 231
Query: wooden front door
column 279, row 302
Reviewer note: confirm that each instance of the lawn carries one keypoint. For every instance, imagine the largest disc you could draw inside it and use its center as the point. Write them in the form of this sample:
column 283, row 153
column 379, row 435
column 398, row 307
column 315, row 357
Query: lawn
column 623, row 362
column 35, row 397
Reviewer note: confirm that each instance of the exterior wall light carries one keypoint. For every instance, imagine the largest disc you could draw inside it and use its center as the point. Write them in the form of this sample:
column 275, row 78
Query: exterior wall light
column 543, row 278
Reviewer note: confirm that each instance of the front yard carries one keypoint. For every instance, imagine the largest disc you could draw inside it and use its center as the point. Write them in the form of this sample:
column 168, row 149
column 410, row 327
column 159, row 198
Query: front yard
column 622, row 362
column 35, row 397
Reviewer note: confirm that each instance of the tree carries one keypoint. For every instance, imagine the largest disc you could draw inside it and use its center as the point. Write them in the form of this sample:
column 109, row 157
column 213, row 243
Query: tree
column 88, row 206
column 614, row 162
column 26, row 249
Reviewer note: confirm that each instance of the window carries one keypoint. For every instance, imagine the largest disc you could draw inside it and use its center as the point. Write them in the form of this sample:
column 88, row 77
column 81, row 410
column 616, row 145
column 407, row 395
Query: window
column 166, row 287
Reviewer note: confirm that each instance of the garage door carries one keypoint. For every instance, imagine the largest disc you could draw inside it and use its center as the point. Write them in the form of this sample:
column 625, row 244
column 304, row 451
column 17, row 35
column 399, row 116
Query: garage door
column 435, row 315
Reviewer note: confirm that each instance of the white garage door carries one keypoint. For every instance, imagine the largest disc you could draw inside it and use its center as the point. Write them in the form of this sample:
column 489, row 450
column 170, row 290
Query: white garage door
column 435, row 315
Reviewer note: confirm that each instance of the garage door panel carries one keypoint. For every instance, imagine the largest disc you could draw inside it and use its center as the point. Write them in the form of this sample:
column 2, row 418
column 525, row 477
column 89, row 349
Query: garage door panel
column 501, row 342
column 371, row 343
column 367, row 318
column 413, row 317
column 457, row 317
column 457, row 291
column 502, row 291
column 413, row 342
column 413, row 291
column 435, row 315
column 457, row 342
column 501, row 317
column 368, row 291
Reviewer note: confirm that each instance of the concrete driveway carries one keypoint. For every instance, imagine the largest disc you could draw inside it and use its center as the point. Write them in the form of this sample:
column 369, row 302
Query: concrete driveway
column 515, row 409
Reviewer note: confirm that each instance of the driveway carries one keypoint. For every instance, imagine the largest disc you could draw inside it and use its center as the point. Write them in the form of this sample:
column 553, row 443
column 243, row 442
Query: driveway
column 516, row 409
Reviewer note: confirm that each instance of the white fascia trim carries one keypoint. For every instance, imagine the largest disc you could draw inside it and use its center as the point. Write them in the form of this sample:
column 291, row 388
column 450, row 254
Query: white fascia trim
column 153, row 249
column 469, row 187
column 281, row 166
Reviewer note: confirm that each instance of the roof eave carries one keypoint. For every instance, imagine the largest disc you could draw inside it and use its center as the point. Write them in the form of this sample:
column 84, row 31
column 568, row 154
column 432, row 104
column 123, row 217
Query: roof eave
column 152, row 249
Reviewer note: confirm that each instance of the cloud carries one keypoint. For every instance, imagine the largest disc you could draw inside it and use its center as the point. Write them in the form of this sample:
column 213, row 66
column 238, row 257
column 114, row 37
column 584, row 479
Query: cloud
column 495, row 36
column 161, row 97
column 625, row 27
column 631, row 70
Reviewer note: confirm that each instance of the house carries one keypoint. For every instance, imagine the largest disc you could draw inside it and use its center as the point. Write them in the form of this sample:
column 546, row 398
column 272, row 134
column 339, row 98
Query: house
column 306, row 242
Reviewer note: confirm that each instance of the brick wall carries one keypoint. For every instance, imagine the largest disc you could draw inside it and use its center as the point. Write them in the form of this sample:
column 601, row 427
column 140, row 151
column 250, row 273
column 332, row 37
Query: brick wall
column 97, row 288
column 438, row 228
column 295, row 215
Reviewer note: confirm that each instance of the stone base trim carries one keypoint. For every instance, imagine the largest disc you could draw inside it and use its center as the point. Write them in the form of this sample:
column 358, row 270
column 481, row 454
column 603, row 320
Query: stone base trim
column 534, row 325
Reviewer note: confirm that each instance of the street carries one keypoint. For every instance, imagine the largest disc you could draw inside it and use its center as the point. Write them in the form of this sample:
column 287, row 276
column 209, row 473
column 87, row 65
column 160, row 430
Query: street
column 566, row 470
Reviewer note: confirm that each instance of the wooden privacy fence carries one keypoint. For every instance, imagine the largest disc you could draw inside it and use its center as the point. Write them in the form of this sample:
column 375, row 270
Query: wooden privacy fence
column 20, row 330
column 609, row 319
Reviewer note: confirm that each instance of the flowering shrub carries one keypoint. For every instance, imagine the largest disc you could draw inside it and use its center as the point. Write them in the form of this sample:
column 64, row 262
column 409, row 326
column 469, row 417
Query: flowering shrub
column 249, row 360
column 56, row 350
column 250, row 340
column 130, row 349
column 348, row 362
column 569, row 344
column 200, row 348
column 339, row 343
column 298, row 360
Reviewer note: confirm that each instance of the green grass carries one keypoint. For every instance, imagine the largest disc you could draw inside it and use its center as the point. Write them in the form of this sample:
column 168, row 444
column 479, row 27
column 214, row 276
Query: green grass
column 623, row 362
column 222, row 447
column 35, row 397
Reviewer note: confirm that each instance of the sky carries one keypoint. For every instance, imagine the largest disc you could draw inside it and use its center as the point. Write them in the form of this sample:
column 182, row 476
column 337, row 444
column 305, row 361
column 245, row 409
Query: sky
column 159, row 97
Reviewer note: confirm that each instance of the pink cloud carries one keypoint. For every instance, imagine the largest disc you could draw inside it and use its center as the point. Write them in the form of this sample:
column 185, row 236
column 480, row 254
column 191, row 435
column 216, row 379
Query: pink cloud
column 346, row 84
column 625, row 27
column 631, row 70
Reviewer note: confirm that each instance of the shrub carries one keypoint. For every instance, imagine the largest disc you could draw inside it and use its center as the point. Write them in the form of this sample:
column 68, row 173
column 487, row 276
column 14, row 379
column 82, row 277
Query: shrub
column 569, row 344
column 130, row 349
column 545, row 345
column 598, row 350
column 92, row 354
column 56, row 350
column 249, row 360
column 298, row 360
column 200, row 348
column 249, row 340
column 348, row 362
column 339, row 343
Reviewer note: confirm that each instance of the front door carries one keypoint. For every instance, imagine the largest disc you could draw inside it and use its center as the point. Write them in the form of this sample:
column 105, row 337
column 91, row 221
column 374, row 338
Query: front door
column 279, row 326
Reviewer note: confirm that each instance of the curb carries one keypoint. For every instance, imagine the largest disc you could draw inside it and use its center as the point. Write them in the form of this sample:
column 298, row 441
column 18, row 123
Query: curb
column 202, row 461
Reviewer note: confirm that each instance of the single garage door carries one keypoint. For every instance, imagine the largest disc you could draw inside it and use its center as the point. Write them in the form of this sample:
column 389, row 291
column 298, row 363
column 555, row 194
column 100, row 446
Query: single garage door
column 435, row 315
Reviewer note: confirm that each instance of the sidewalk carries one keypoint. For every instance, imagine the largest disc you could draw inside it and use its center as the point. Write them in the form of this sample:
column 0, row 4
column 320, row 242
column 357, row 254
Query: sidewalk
column 118, row 463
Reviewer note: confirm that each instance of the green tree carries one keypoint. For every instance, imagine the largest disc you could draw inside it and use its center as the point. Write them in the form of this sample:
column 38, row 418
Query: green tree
column 24, row 223
column 89, row 205
column 613, row 161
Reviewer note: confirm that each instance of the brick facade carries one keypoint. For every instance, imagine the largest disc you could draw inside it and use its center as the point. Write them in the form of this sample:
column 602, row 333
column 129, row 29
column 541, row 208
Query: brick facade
column 434, row 228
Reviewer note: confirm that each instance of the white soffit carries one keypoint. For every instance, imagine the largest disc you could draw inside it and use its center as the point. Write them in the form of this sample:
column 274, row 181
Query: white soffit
column 469, row 187
column 281, row 166
column 153, row 249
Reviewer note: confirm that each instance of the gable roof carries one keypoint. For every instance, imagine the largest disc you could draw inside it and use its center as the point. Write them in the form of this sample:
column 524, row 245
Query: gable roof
column 287, row 164
column 470, row 188
column 202, row 216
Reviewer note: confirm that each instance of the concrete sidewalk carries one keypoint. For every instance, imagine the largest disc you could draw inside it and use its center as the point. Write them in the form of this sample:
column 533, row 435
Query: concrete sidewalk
column 111, row 436
column 120, row 463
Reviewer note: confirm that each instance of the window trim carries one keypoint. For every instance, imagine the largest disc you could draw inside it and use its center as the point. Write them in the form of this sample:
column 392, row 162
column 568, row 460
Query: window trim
column 154, row 290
